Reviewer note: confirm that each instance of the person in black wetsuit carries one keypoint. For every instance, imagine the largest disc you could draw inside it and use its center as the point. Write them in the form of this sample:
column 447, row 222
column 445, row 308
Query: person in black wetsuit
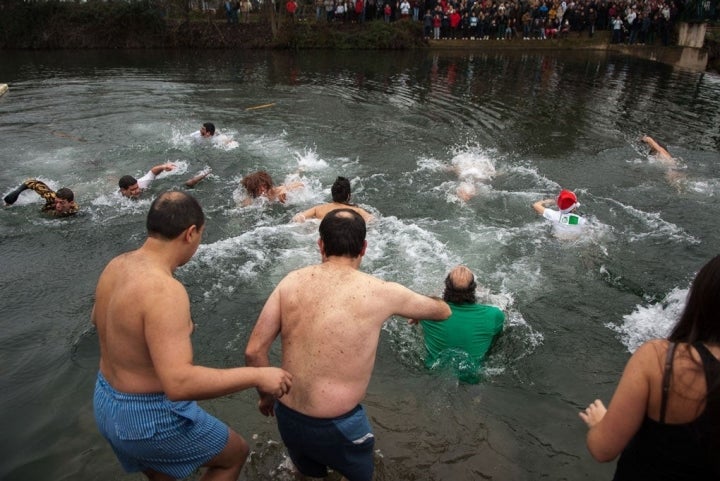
column 664, row 418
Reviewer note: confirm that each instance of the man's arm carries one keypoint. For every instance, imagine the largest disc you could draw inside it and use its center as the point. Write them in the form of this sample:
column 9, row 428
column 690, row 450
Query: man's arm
column 167, row 328
column 160, row 168
column 406, row 303
column 264, row 333
column 147, row 179
column 194, row 180
column 657, row 148
column 300, row 217
column 367, row 216
column 541, row 205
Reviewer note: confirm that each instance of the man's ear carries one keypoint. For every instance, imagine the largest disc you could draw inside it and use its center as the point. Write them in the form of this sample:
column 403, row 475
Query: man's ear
column 364, row 247
column 190, row 232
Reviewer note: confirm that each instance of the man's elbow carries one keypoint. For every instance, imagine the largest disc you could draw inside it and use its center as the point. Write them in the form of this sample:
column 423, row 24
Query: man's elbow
column 178, row 391
column 253, row 356
column 443, row 312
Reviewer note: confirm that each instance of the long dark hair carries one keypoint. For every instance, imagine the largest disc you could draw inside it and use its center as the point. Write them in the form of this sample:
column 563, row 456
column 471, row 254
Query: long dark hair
column 700, row 321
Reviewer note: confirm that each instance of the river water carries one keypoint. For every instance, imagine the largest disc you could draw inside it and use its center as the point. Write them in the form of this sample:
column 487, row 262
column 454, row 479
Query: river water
column 408, row 129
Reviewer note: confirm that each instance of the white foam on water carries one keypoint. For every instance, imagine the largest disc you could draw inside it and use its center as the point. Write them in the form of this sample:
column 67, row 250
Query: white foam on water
column 656, row 226
column 708, row 187
column 308, row 160
column 265, row 251
column 650, row 321
column 405, row 252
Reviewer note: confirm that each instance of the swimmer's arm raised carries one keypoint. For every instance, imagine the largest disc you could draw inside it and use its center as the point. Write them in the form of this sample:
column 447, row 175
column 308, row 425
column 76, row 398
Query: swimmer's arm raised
column 167, row 328
column 160, row 168
column 541, row 205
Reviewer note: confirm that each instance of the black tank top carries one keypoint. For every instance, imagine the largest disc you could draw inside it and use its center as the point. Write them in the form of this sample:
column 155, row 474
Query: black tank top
column 676, row 452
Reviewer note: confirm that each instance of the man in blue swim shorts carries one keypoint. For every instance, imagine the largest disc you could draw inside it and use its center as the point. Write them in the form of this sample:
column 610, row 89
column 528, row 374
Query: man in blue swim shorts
column 329, row 317
column 144, row 395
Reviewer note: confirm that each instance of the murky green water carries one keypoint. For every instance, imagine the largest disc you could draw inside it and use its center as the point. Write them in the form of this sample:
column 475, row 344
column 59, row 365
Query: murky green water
column 407, row 129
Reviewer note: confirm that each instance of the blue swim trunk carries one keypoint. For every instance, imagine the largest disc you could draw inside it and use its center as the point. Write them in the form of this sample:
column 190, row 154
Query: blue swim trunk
column 148, row 431
column 344, row 443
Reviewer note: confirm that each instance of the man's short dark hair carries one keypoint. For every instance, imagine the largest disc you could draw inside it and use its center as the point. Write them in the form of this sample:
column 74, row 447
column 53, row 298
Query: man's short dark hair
column 210, row 127
column 341, row 190
column 173, row 212
column 343, row 233
column 126, row 181
column 459, row 295
column 65, row 194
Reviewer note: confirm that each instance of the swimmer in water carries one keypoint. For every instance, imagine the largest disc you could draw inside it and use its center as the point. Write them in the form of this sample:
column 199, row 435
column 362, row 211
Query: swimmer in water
column 673, row 174
column 566, row 221
column 340, row 200
column 132, row 188
column 260, row 184
column 60, row 204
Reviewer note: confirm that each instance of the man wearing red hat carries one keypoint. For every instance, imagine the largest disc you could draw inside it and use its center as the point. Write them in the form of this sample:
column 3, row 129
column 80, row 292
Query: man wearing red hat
column 566, row 221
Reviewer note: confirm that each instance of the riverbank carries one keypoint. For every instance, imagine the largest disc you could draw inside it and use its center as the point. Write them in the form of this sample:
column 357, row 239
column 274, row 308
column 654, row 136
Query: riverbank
column 129, row 26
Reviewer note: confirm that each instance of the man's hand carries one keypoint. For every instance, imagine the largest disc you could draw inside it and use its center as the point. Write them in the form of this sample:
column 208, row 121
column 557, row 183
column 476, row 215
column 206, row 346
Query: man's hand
column 266, row 404
column 274, row 381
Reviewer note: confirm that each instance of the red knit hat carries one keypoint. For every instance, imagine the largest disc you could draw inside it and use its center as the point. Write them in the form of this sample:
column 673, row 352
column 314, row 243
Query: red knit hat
column 566, row 199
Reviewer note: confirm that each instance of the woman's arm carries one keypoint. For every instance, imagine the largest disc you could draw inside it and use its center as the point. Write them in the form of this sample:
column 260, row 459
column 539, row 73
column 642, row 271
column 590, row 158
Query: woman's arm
column 610, row 431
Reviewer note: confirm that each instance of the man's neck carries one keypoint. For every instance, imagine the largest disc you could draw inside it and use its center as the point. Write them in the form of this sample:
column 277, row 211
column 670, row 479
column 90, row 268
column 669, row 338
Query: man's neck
column 342, row 261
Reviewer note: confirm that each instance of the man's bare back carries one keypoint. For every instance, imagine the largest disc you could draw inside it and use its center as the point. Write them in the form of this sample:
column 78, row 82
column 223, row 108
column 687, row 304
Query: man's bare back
column 121, row 309
column 329, row 317
column 320, row 211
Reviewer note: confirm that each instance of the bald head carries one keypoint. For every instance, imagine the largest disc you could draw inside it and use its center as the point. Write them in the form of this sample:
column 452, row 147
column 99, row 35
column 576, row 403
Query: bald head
column 461, row 277
column 343, row 233
column 460, row 286
column 171, row 213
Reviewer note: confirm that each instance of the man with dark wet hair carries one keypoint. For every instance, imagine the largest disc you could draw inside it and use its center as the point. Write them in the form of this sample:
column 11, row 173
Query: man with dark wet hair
column 206, row 131
column 132, row 187
column 329, row 317
column 147, row 384
column 471, row 328
column 60, row 204
column 340, row 191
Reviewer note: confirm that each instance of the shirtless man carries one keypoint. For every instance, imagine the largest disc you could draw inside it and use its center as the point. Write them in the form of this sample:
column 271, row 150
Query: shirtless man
column 147, row 384
column 329, row 318
column 659, row 151
column 674, row 175
column 340, row 191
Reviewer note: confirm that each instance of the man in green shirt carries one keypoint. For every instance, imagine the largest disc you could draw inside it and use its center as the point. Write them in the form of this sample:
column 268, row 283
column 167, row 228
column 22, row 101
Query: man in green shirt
column 464, row 338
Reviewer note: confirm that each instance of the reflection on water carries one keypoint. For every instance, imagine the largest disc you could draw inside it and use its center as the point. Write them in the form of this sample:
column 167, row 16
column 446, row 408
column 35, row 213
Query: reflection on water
column 448, row 151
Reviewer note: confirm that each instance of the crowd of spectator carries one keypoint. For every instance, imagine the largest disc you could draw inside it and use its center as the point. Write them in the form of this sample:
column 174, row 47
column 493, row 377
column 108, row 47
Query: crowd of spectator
column 628, row 21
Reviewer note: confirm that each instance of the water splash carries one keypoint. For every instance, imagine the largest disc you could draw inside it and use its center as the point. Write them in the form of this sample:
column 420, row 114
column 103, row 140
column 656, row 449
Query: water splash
column 650, row 321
